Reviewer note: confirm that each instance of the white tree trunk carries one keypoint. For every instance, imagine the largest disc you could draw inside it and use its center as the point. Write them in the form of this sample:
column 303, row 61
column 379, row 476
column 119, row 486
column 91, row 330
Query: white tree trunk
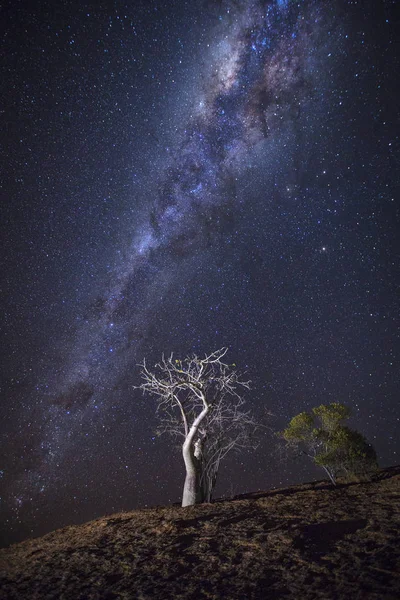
column 330, row 474
column 191, row 489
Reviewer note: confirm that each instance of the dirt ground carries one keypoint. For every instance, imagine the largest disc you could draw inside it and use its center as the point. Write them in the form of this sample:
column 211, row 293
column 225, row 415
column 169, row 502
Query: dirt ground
column 311, row 541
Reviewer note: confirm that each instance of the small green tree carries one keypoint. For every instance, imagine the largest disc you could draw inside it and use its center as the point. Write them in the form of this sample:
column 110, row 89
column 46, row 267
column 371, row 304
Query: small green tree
column 322, row 436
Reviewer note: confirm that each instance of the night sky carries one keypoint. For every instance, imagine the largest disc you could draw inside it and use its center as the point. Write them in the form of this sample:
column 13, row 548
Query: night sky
column 182, row 176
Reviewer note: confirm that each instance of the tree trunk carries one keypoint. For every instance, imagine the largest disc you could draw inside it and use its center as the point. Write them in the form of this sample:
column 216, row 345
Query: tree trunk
column 191, row 489
column 330, row 475
column 209, row 479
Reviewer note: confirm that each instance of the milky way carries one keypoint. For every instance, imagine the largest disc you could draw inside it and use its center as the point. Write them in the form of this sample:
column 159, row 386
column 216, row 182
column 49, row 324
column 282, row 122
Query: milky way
column 241, row 239
column 257, row 79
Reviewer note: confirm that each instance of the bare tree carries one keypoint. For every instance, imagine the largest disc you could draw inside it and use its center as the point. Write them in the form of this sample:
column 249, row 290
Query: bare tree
column 199, row 401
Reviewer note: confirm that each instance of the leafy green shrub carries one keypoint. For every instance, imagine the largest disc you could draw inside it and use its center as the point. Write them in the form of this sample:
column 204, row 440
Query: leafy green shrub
column 336, row 448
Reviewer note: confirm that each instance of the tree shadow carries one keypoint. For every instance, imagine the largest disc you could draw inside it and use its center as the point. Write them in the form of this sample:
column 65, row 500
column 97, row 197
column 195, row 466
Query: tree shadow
column 318, row 539
column 381, row 475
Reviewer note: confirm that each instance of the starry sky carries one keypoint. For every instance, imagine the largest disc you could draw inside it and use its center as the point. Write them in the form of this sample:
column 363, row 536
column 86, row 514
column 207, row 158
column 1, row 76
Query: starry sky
column 182, row 176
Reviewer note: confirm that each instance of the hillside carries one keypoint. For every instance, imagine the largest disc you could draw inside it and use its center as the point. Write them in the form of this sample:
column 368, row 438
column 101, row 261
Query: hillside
column 308, row 541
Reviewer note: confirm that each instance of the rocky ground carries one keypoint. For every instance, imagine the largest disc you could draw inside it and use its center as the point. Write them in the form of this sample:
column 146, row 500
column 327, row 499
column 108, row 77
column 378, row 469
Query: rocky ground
column 311, row 541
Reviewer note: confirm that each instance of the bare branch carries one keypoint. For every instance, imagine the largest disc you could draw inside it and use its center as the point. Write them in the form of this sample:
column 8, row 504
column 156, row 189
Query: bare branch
column 200, row 400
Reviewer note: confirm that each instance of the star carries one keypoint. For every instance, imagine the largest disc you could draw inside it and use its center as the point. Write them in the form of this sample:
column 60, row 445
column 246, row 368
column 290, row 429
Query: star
column 171, row 179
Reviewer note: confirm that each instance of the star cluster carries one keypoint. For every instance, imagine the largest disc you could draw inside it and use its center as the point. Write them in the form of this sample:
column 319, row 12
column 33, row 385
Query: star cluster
column 182, row 178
